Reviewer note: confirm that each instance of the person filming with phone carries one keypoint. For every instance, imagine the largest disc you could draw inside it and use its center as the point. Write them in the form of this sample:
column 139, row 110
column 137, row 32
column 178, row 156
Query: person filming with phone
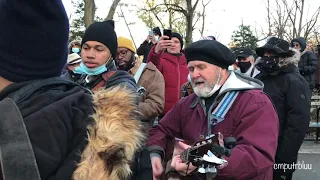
column 171, row 62
column 147, row 44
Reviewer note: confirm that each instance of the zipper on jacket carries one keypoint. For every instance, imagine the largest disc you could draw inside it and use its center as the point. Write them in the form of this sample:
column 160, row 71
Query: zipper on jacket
column 179, row 79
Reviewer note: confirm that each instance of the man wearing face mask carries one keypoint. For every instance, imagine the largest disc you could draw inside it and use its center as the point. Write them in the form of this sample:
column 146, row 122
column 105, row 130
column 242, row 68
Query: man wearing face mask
column 291, row 96
column 249, row 117
column 98, row 69
column 151, row 40
column 117, row 128
column 246, row 62
column 148, row 78
column 74, row 47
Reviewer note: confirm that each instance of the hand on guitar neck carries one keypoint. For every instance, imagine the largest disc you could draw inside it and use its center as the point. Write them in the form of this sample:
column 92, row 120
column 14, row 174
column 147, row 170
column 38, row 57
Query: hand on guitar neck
column 205, row 154
column 177, row 163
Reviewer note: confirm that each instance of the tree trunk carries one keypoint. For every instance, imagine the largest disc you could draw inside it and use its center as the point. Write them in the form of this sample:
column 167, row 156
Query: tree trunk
column 112, row 9
column 301, row 18
column 269, row 19
column 189, row 19
column 89, row 12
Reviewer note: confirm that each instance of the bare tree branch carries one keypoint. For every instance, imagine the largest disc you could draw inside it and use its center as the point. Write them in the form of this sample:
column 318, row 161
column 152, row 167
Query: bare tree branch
column 204, row 5
column 195, row 6
column 127, row 24
column 112, row 9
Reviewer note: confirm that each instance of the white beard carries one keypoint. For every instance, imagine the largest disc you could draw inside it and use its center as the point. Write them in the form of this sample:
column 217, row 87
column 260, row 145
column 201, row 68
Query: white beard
column 202, row 92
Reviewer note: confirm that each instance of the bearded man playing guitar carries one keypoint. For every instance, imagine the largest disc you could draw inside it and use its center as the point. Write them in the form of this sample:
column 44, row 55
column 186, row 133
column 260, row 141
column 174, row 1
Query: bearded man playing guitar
column 226, row 103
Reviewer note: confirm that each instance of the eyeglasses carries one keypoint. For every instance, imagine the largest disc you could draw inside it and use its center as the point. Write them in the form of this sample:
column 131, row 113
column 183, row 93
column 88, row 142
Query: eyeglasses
column 122, row 53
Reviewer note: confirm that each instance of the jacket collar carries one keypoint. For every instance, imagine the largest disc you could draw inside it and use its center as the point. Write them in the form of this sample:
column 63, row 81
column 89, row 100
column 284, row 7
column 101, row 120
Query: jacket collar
column 173, row 57
column 134, row 70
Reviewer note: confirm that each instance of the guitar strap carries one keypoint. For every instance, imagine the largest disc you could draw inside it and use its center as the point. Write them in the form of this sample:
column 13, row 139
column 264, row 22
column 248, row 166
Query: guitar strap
column 222, row 109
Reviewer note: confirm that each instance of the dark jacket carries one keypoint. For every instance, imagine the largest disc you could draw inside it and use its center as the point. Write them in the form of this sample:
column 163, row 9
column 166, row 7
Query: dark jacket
column 71, row 76
column 308, row 63
column 144, row 50
column 291, row 96
column 175, row 72
column 252, row 120
column 56, row 118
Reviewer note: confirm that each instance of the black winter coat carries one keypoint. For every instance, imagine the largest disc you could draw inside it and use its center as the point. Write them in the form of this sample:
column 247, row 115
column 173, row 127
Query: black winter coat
column 308, row 64
column 291, row 96
column 144, row 50
column 56, row 119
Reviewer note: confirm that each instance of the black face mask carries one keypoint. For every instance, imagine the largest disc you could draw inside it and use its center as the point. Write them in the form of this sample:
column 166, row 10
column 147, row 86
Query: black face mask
column 268, row 64
column 244, row 66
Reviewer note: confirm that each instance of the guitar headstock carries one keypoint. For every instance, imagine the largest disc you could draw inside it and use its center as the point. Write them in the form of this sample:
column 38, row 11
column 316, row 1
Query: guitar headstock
column 206, row 151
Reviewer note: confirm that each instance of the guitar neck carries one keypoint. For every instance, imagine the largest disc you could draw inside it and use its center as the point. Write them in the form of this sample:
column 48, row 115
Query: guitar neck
column 185, row 154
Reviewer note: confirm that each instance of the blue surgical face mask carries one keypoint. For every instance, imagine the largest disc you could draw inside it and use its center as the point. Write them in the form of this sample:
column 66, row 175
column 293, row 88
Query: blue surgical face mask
column 156, row 38
column 76, row 50
column 83, row 69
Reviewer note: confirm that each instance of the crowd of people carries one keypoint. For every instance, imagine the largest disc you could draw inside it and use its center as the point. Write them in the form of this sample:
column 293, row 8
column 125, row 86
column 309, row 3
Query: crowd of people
column 99, row 108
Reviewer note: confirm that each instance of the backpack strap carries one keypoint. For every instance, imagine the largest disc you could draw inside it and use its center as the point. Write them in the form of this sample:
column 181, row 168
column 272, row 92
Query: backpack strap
column 17, row 156
column 139, row 72
column 105, row 77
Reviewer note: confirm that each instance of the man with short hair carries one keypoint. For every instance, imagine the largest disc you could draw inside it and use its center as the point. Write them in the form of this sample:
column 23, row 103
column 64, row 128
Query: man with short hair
column 246, row 62
column 248, row 116
column 290, row 95
column 149, row 80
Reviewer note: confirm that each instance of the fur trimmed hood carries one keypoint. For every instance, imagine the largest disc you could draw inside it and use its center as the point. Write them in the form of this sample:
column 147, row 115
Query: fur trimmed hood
column 287, row 60
column 114, row 137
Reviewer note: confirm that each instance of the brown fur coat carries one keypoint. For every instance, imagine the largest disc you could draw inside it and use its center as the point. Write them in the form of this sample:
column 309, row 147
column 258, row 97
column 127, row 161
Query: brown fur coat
column 114, row 137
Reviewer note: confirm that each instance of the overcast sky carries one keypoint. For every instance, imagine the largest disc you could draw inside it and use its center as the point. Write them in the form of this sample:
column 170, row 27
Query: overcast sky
column 223, row 17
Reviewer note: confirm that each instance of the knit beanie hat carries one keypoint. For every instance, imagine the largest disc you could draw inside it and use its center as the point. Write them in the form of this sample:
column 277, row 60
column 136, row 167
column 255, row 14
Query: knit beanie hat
column 126, row 43
column 33, row 39
column 157, row 31
column 177, row 35
column 104, row 33
column 210, row 51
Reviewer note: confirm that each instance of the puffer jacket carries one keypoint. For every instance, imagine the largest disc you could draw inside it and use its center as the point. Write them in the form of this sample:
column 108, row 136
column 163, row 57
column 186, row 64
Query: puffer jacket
column 308, row 63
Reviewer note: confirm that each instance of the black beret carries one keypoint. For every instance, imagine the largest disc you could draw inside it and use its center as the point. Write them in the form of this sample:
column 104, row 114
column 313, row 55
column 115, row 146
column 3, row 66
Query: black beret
column 210, row 51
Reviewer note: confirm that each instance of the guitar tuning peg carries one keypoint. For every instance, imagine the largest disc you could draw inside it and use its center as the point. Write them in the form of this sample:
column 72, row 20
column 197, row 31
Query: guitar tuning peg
column 211, row 169
column 201, row 169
